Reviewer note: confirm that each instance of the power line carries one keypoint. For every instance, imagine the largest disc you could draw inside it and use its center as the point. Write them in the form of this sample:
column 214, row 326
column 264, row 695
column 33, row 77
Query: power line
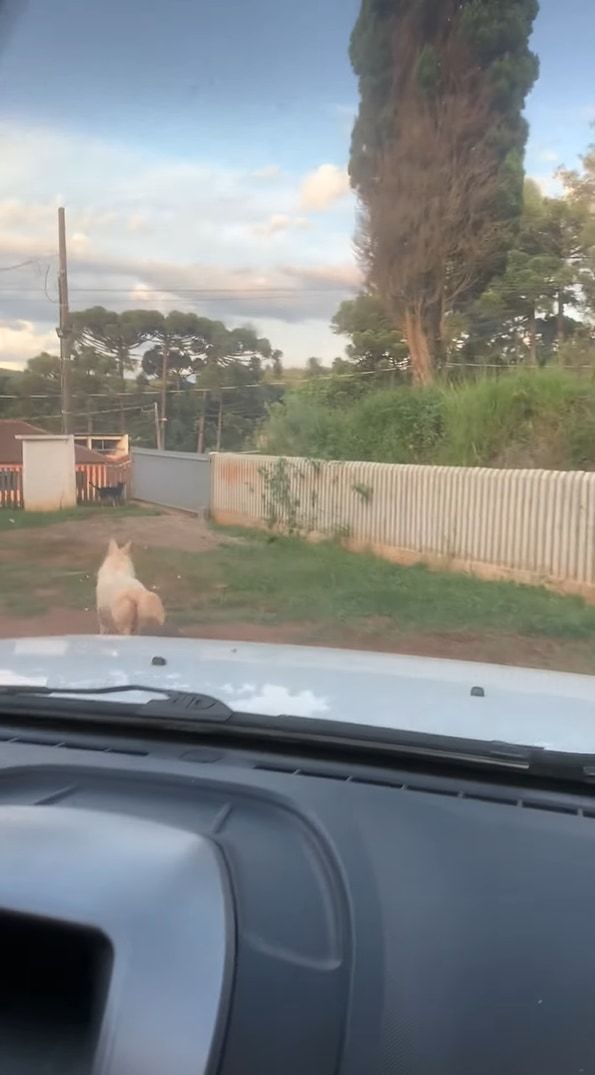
column 45, row 287
column 339, row 289
column 193, row 389
column 19, row 265
column 213, row 290
column 200, row 390
column 141, row 407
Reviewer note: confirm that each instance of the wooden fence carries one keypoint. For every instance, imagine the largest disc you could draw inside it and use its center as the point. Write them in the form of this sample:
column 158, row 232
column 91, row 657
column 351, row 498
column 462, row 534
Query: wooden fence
column 88, row 475
column 11, row 486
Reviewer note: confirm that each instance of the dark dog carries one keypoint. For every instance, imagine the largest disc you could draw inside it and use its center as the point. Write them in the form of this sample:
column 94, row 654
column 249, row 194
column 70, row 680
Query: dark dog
column 110, row 494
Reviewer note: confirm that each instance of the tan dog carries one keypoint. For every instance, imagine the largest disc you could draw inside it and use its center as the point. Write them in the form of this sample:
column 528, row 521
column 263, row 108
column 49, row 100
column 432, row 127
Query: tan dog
column 124, row 605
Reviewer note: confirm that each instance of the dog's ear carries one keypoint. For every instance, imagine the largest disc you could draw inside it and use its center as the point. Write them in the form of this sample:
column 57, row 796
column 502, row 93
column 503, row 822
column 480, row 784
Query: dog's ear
column 127, row 547
column 112, row 546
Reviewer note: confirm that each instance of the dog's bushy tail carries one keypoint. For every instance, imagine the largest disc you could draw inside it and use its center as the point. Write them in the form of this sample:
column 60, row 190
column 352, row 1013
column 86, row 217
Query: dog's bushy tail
column 149, row 609
column 136, row 608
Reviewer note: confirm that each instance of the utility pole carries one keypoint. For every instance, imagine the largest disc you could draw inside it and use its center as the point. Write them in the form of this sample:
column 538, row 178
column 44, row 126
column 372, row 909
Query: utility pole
column 63, row 330
column 157, row 426
column 219, row 423
column 164, row 372
column 200, row 447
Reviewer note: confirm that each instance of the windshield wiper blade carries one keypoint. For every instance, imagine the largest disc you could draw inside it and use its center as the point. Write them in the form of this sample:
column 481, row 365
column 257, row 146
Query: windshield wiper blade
column 185, row 705
column 198, row 712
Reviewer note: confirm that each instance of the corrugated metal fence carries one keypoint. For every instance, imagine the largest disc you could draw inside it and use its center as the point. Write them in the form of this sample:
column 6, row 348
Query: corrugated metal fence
column 172, row 479
column 530, row 525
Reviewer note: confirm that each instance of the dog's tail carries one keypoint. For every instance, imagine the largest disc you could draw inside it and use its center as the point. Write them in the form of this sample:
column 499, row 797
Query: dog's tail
column 137, row 609
column 149, row 609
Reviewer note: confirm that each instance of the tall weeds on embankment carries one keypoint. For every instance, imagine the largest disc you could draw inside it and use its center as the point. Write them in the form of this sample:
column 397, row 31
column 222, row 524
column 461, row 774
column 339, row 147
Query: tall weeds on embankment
column 524, row 418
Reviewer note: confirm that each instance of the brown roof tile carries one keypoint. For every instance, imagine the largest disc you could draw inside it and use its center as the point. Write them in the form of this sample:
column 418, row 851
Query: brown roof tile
column 11, row 449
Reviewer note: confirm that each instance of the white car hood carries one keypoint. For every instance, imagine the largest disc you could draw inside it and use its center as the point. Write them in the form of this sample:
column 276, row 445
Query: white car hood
column 551, row 709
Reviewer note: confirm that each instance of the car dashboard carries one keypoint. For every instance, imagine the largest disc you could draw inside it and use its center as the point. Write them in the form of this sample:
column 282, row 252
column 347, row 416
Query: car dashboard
column 168, row 905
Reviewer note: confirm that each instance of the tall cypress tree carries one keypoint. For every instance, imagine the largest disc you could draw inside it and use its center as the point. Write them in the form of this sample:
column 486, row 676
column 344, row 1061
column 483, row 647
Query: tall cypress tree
column 437, row 153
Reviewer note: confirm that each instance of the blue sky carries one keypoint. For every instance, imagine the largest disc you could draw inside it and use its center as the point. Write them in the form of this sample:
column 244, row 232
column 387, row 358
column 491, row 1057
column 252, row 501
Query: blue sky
column 203, row 144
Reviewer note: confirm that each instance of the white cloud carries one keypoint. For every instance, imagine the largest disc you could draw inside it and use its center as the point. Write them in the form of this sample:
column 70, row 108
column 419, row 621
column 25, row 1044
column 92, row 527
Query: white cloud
column 148, row 229
column 137, row 223
column 270, row 171
column 21, row 340
column 18, row 214
column 79, row 241
column 548, row 156
column 323, row 187
column 281, row 222
column 549, row 184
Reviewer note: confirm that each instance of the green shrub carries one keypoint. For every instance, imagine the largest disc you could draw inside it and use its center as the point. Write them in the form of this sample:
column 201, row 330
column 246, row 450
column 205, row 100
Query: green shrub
column 524, row 418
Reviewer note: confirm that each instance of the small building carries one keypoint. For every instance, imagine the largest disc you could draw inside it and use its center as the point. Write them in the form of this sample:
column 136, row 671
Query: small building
column 115, row 446
column 92, row 469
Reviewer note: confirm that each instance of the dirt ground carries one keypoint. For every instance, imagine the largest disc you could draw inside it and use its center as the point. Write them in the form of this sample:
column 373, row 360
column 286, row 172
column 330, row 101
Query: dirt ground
column 73, row 551
column 81, row 546
column 508, row 649
column 168, row 530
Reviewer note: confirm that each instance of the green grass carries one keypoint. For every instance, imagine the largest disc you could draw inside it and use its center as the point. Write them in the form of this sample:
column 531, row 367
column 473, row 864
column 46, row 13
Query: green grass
column 526, row 418
column 285, row 579
column 17, row 519
column 316, row 593
column 30, row 590
column 523, row 418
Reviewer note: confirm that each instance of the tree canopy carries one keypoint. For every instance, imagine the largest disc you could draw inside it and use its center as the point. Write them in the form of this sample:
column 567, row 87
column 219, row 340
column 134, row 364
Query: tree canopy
column 202, row 375
column 437, row 154
column 375, row 343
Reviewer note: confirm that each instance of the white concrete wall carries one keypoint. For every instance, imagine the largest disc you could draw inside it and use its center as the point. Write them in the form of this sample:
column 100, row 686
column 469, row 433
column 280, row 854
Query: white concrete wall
column 49, row 480
column 533, row 526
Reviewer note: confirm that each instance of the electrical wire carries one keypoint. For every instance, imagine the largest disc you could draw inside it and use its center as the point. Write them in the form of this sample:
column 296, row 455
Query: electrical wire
column 151, row 291
column 20, row 265
column 215, row 390
column 78, row 414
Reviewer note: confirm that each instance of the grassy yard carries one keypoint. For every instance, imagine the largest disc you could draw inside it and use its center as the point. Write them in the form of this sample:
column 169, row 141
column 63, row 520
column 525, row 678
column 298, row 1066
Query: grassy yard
column 273, row 581
column 251, row 585
column 27, row 520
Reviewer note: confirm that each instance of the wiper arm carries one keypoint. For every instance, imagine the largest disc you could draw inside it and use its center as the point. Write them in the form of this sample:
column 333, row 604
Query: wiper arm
column 197, row 712
column 182, row 705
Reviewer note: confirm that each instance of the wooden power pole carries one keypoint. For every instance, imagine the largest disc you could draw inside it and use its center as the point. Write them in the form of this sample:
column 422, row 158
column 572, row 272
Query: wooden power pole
column 200, row 447
column 64, row 332
column 219, row 423
column 157, row 426
column 163, row 407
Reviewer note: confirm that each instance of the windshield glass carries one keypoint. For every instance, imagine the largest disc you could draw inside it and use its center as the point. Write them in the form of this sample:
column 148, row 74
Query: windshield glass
column 297, row 345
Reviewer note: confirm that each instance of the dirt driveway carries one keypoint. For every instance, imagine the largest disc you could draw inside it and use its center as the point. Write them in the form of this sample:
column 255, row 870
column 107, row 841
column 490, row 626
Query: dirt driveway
column 217, row 585
column 41, row 566
column 167, row 530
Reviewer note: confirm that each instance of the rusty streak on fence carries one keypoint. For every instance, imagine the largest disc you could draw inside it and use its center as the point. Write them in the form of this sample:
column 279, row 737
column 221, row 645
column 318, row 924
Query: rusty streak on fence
column 533, row 526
